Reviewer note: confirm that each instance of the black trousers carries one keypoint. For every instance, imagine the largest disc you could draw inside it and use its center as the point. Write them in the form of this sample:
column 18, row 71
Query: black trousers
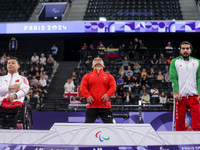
column 92, row 114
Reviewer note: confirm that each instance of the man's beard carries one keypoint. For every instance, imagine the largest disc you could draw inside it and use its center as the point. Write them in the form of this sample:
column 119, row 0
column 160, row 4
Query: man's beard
column 185, row 56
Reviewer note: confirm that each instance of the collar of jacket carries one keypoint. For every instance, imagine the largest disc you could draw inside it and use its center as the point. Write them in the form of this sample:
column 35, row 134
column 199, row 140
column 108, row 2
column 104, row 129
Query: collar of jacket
column 95, row 71
column 189, row 57
column 15, row 74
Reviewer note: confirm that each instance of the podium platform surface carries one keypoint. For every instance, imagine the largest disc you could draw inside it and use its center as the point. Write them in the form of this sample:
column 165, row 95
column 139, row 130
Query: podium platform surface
column 98, row 134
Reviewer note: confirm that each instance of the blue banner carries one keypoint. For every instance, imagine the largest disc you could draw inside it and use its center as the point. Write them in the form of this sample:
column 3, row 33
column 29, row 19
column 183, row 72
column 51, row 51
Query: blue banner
column 54, row 10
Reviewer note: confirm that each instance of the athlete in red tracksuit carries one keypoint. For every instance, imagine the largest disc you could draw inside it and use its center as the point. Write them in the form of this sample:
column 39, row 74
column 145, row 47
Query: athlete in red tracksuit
column 97, row 87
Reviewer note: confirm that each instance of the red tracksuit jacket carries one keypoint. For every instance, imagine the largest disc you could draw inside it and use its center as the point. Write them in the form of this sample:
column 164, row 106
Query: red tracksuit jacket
column 96, row 85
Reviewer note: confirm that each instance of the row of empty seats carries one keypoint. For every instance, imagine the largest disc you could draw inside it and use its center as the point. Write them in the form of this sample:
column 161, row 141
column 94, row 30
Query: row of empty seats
column 133, row 10
column 19, row 10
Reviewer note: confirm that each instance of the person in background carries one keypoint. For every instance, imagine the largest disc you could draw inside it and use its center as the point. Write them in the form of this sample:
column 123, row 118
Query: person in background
column 3, row 59
column 187, row 127
column 170, row 97
column 154, row 92
column 144, row 89
column 152, row 73
column 34, row 59
column 162, row 59
column 54, row 50
column 69, row 86
column 131, row 45
column 120, row 81
column 169, row 51
column 129, row 72
column 131, row 49
column 137, row 48
column 100, row 46
column 167, row 77
column 119, row 92
column 145, row 81
column 84, row 52
column 154, row 60
column 142, row 45
column 22, row 73
column 3, row 71
column 43, row 83
column 74, row 76
column 122, row 71
column 137, row 67
column 127, row 98
column 34, row 80
column 163, row 98
column 124, row 62
column 145, row 98
column 135, row 81
column 166, row 69
column 74, row 101
column 42, row 60
column 13, row 46
column 50, row 60
column 110, row 46
column 144, row 72
column 37, row 74
column 160, row 76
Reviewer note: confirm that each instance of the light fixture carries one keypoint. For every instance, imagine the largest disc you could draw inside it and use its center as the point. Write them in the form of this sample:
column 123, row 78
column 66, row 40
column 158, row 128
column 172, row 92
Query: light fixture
column 102, row 19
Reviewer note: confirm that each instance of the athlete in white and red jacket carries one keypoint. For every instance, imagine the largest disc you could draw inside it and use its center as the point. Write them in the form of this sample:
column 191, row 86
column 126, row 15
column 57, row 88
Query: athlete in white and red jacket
column 13, row 87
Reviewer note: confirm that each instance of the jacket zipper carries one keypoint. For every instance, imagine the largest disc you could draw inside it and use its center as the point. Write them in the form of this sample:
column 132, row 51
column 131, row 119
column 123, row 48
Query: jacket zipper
column 98, row 91
column 10, row 83
column 11, row 80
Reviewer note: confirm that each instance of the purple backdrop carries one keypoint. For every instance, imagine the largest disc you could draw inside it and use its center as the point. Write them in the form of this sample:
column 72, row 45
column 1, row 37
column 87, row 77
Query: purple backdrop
column 160, row 121
column 100, row 27
column 72, row 147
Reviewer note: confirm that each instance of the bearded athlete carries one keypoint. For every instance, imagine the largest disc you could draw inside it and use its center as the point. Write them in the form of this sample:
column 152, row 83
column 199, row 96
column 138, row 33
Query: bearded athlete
column 185, row 75
column 98, row 86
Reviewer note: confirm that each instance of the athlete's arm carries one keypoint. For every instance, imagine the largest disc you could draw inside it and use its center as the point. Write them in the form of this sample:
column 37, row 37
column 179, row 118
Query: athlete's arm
column 84, row 86
column 3, row 88
column 174, row 77
column 112, row 86
column 198, row 80
column 24, row 88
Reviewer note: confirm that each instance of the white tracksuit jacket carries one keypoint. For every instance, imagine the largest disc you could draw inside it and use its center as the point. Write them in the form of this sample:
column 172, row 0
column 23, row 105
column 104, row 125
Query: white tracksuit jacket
column 185, row 76
column 9, row 79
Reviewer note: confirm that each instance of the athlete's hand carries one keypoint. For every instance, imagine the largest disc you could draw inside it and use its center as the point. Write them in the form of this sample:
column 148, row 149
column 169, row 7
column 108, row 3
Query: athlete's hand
column 14, row 87
column 90, row 99
column 177, row 96
column 105, row 98
column 11, row 97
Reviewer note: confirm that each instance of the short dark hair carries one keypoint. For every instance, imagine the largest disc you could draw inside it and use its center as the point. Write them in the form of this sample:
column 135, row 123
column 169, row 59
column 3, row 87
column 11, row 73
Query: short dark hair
column 188, row 43
column 12, row 57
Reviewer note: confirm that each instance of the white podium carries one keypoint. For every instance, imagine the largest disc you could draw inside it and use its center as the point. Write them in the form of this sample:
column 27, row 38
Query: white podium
column 98, row 134
column 102, row 134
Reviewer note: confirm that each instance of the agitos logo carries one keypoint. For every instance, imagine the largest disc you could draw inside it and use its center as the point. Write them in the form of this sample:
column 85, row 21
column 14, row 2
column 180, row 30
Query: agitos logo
column 101, row 138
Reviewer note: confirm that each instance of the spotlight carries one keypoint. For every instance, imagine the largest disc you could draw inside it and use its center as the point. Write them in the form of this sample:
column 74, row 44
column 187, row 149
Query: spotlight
column 102, row 19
